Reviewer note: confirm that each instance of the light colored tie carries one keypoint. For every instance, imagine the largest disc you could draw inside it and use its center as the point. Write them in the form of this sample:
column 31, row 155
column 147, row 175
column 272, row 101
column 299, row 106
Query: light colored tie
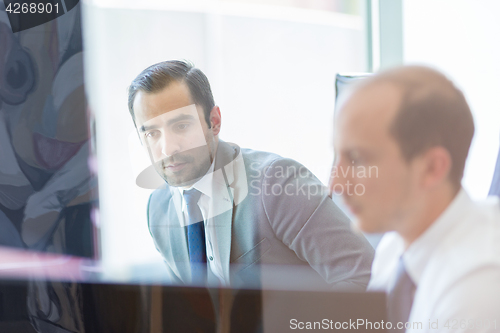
column 400, row 298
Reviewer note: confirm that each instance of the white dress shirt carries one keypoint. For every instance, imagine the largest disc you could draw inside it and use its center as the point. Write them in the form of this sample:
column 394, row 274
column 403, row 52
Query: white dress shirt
column 208, row 203
column 455, row 265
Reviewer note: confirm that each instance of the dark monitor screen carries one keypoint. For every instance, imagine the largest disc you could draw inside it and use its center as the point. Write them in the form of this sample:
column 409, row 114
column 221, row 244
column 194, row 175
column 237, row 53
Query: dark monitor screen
column 54, row 306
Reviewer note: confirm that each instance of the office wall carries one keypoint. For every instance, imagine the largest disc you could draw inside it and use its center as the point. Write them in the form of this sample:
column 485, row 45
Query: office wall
column 460, row 38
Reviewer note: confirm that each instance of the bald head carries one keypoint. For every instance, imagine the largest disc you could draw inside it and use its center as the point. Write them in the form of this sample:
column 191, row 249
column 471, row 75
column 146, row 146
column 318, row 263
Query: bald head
column 431, row 112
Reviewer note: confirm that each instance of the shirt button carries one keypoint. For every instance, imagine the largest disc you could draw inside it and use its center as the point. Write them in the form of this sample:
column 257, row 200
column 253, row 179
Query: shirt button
column 211, row 258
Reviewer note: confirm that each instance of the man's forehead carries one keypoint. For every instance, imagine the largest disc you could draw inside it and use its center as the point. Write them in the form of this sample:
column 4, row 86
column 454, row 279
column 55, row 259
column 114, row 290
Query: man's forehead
column 366, row 116
column 174, row 96
column 375, row 104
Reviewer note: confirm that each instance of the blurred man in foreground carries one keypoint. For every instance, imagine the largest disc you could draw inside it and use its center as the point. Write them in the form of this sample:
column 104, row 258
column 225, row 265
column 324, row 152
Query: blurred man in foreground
column 405, row 135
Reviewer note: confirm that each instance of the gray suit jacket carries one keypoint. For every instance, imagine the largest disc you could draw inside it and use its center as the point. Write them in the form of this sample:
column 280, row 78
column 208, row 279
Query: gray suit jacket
column 276, row 212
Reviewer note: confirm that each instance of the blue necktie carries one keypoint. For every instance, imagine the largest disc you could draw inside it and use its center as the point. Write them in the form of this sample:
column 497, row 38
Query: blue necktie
column 196, row 236
column 400, row 298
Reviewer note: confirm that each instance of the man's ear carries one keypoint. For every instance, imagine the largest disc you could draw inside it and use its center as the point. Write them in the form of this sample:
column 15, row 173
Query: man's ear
column 215, row 120
column 436, row 166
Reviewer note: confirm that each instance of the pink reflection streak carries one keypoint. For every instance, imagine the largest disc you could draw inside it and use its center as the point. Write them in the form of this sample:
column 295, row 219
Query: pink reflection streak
column 26, row 264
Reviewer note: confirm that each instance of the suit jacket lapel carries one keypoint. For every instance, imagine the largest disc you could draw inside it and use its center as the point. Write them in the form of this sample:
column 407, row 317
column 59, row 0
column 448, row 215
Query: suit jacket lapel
column 178, row 238
column 222, row 185
column 177, row 204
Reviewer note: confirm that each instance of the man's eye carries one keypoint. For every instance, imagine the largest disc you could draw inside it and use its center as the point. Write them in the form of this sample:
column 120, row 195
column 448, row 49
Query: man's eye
column 355, row 158
column 357, row 161
column 152, row 134
column 182, row 127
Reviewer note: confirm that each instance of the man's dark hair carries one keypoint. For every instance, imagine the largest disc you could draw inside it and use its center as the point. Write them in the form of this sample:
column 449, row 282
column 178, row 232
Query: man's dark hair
column 433, row 112
column 158, row 76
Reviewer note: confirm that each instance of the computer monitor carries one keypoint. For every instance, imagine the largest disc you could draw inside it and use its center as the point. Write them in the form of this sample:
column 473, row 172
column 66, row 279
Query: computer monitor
column 344, row 82
column 47, row 188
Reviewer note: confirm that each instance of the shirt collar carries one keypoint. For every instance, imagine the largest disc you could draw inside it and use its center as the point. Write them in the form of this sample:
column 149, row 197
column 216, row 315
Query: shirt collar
column 204, row 185
column 419, row 252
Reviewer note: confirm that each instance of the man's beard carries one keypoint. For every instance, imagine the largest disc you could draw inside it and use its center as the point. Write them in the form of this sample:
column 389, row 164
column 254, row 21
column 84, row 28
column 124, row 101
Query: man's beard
column 196, row 162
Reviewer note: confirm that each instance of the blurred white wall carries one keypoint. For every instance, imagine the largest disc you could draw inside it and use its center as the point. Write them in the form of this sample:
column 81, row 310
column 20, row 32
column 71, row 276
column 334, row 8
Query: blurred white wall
column 272, row 72
column 460, row 38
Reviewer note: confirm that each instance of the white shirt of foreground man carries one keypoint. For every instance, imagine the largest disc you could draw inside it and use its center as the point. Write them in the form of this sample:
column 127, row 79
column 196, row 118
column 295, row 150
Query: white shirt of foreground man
column 401, row 141
column 455, row 265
